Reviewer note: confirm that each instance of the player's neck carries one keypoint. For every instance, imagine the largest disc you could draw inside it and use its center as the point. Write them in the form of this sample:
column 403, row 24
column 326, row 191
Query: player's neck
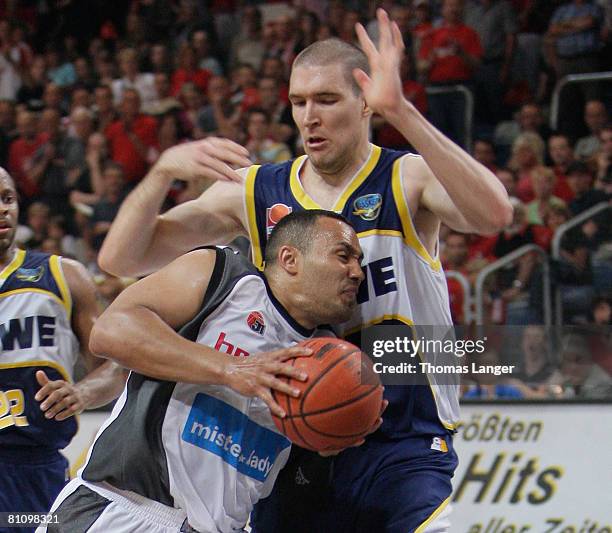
column 7, row 256
column 338, row 175
column 292, row 300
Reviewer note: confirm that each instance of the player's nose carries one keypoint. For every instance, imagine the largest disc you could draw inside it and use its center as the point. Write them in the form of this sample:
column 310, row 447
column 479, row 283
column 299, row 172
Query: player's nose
column 311, row 117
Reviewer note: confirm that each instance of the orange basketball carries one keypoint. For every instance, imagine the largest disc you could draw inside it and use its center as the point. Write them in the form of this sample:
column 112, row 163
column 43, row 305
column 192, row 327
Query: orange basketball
column 339, row 403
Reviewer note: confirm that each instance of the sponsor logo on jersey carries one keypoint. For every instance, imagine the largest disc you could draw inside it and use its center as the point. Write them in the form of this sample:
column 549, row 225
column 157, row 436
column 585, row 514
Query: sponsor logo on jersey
column 228, row 433
column 439, row 444
column 224, row 345
column 256, row 322
column 368, row 206
column 274, row 215
column 30, row 274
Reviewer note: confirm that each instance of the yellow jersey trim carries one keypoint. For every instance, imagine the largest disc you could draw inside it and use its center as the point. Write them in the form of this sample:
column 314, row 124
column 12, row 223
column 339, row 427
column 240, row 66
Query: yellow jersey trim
column 433, row 516
column 13, row 265
column 411, row 238
column 409, row 323
column 58, row 275
column 308, row 203
column 39, row 362
column 251, row 216
column 33, row 289
column 383, row 232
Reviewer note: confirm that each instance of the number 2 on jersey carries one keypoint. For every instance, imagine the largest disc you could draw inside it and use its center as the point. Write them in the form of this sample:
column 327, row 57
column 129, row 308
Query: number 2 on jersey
column 12, row 405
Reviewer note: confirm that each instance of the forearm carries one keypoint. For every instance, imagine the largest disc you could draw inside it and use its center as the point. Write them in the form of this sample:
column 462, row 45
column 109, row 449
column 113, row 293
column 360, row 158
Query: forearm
column 141, row 341
column 102, row 385
column 475, row 190
column 133, row 229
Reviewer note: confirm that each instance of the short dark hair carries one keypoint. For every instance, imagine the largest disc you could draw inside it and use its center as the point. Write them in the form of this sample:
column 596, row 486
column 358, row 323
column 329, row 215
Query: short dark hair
column 334, row 51
column 297, row 229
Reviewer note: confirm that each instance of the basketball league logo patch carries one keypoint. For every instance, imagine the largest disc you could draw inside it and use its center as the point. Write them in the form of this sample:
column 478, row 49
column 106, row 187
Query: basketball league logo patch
column 32, row 275
column 256, row 322
column 274, row 215
column 368, row 206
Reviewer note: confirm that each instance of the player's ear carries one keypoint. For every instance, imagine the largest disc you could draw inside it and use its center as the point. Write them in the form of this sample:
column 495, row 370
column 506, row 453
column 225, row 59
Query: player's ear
column 366, row 111
column 288, row 259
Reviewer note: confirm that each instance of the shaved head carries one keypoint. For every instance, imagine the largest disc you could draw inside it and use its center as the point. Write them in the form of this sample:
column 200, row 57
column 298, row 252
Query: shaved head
column 334, row 52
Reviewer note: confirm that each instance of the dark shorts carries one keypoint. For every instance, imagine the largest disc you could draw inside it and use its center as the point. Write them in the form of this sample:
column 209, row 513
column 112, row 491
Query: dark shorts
column 30, row 483
column 382, row 487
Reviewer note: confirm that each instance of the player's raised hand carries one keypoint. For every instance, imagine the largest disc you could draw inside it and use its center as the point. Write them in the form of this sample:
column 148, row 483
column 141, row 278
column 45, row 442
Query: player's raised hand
column 382, row 88
column 259, row 376
column 60, row 399
column 211, row 158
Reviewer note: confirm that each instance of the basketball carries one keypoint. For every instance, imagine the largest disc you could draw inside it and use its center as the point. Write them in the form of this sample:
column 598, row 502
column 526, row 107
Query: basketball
column 339, row 402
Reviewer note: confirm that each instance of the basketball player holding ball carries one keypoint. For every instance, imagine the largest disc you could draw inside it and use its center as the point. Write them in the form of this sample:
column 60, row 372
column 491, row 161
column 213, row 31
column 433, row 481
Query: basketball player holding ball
column 400, row 479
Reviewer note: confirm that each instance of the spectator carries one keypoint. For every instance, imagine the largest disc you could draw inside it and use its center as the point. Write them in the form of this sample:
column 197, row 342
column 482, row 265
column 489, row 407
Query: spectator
column 261, row 147
column 244, row 86
column 131, row 137
column 57, row 164
column 84, row 75
column 248, row 46
column 539, row 376
column 484, row 152
column 21, row 151
column 106, row 208
column 553, row 218
column 187, row 71
column 80, row 97
column 574, row 29
column 132, row 78
column 575, row 277
column 272, row 67
column 104, row 107
column 450, row 56
column 529, row 119
column 281, row 121
column 10, row 80
column 422, row 25
column 308, row 26
column 220, row 116
column 583, row 378
column 60, row 71
column 490, row 386
column 89, row 189
column 595, row 117
column 193, row 102
column 8, row 132
column 200, row 42
column 562, row 156
column 527, row 154
column 509, row 180
column 35, row 231
column 33, row 87
column 170, row 133
column 543, row 182
column 603, row 159
column 163, row 101
column 285, row 46
column 159, row 59
column 53, row 98
column 496, row 25
column 580, row 179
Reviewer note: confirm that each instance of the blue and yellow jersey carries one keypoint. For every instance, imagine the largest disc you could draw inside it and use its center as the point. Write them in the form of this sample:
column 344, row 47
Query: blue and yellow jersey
column 36, row 334
column 404, row 284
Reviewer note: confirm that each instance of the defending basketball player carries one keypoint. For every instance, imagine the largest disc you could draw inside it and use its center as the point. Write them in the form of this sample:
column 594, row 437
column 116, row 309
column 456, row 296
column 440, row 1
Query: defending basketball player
column 194, row 446
column 396, row 201
column 47, row 309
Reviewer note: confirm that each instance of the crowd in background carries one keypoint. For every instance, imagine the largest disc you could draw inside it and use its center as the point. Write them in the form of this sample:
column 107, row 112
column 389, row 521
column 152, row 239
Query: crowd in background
column 91, row 93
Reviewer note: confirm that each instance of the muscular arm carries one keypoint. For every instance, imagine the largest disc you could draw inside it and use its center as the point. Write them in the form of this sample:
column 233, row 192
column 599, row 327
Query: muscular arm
column 141, row 240
column 452, row 185
column 138, row 330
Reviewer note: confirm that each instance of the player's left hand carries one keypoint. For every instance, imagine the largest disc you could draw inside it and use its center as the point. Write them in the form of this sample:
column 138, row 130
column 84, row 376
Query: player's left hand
column 382, row 89
column 374, row 428
column 60, row 399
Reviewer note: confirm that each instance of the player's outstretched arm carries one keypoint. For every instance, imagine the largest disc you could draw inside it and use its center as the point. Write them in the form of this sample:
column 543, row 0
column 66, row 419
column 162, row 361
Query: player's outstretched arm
column 462, row 192
column 138, row 330
column 60, row 399
column 141, row 240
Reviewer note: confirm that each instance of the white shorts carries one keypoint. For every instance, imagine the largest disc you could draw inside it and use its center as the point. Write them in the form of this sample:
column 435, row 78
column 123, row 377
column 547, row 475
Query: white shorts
column 99, row 508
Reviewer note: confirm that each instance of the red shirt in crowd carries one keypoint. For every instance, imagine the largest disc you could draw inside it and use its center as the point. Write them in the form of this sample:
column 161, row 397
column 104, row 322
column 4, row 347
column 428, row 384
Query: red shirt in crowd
column 524, row 188
column 124, row 151
column 199, row 77
column 20, row 152
column 448, row 66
